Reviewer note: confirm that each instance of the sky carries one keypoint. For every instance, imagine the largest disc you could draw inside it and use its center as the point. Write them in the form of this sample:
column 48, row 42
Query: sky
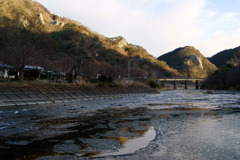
column 159, row 26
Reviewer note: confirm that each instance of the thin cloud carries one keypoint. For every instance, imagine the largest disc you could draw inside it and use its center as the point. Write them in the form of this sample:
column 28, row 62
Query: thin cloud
column 159, row 26
column 220, row 41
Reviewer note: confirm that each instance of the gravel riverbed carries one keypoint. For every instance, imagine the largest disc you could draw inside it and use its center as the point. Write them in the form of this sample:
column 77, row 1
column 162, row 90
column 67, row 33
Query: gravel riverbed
column 180, row 124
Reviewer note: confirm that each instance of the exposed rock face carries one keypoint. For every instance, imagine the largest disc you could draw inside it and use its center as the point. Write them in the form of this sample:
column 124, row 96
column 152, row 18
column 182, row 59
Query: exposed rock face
column 196, row 60
column 23, row 20
column 62, row 24
column 41, row 19
column 119, row 41
column 122, row 43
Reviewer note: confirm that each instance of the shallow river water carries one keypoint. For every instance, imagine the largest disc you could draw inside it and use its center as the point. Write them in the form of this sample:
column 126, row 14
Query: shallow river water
column 179, row 124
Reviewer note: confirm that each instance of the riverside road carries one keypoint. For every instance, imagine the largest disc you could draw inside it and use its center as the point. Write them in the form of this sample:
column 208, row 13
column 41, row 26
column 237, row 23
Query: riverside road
column 179, row 124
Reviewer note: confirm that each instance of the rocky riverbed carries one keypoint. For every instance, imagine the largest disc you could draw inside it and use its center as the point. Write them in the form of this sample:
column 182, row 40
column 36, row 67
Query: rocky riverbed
column 180, row 124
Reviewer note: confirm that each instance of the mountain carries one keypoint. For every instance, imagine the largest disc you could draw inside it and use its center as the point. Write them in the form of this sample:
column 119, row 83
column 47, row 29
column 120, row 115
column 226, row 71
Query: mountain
column 189, row 62
column 230, row 56
column 66, row 46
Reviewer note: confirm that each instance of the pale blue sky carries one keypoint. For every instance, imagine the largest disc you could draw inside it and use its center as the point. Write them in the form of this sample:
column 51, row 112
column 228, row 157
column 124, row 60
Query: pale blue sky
column 159, row 26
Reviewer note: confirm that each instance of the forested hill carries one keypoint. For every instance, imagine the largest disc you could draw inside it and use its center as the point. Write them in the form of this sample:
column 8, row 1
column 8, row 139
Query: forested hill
column 189, row 62
column 32, row 35
column 230, row 56
column 228, row 75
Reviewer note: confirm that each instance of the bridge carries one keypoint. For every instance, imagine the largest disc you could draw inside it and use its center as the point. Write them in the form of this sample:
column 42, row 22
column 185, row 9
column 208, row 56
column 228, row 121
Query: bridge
column 175, row 80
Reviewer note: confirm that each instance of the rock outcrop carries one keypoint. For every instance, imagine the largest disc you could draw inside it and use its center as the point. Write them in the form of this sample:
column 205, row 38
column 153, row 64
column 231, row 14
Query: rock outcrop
column 119, row 41
column 23, row 20
column 196, row 60
column 41, row 19
column 122, row 43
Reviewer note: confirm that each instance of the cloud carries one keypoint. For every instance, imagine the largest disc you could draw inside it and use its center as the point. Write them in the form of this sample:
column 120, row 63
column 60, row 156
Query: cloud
column 159, row 26
column 219, row 41
column 177, row 26
column 221, row 30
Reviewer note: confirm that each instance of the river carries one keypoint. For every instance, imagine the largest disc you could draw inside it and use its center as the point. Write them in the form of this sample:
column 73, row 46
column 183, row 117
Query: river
column 179, row 124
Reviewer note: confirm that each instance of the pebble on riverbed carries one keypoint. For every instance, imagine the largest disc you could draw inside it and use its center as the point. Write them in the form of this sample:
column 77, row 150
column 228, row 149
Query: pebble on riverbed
column 16, row 112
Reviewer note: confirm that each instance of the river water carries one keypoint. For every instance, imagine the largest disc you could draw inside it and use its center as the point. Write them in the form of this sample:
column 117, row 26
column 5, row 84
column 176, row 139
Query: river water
column 179, row 124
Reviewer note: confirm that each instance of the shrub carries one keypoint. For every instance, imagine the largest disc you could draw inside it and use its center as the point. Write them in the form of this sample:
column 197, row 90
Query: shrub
column 153, row 84
column 54, row 17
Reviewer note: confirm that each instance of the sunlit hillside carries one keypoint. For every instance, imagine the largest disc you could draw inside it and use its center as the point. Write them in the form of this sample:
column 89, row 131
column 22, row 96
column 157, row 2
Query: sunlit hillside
column 64, row 45
column 189, row 62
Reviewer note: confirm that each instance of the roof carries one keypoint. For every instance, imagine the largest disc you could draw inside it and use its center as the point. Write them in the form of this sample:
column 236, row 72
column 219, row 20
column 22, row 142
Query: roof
column 3, row 65
column 33, row 67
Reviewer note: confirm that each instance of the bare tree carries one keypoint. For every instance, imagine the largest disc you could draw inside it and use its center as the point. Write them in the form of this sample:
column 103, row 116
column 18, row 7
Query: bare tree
column 21, row 47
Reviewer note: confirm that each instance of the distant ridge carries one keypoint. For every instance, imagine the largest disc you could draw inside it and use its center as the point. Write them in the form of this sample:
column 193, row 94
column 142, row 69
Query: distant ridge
column 229, row 56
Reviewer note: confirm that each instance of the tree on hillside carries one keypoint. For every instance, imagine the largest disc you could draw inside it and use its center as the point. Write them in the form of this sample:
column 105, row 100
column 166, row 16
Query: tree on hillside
column 21, row 47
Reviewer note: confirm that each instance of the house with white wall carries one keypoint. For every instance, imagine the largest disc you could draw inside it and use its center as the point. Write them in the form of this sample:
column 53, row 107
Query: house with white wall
column 4, row 68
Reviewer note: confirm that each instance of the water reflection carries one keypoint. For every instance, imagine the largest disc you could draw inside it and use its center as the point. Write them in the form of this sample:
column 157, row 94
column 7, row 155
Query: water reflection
column 132, row 145
column 124, row 135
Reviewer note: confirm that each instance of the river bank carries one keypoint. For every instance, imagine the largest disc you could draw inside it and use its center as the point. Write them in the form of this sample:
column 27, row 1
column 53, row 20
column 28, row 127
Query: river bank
column 11, row 96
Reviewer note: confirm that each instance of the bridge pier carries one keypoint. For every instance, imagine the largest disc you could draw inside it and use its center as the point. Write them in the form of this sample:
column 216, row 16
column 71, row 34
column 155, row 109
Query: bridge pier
column 186, row 84
column 197, row 84
column 174, row 84
column 163, row 84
